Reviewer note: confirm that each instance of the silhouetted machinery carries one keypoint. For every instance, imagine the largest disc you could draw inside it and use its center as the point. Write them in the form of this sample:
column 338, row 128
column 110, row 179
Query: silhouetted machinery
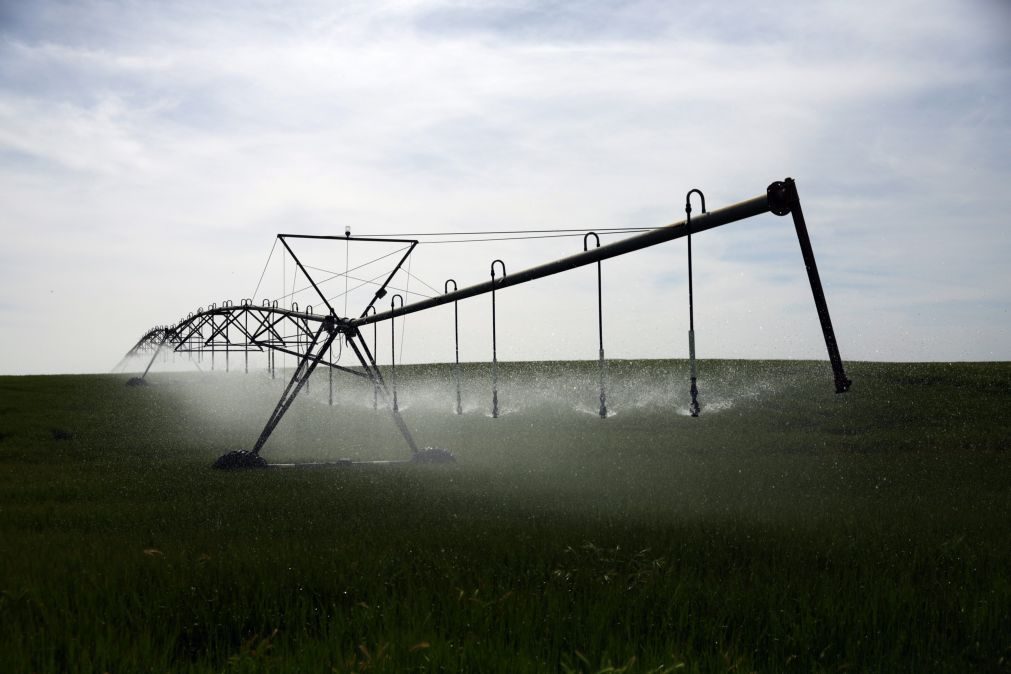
column 308, row 336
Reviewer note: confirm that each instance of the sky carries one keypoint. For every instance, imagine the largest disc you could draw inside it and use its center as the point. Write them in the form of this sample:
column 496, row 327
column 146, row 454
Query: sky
column 151, row 151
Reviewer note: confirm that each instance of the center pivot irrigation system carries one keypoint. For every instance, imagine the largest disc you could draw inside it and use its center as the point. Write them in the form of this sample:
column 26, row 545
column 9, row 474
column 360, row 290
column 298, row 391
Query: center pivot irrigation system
column 309, row 336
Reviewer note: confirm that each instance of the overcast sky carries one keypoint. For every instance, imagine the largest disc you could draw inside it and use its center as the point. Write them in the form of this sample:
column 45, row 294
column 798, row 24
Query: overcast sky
column 150, row 151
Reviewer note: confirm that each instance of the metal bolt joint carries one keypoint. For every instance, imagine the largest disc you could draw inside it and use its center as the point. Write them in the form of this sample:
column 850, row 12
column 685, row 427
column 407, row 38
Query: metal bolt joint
column 781, row 197
column 334, row 324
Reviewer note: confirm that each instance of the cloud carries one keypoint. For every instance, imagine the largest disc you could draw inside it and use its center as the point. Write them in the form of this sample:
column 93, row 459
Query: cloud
column 150, row 151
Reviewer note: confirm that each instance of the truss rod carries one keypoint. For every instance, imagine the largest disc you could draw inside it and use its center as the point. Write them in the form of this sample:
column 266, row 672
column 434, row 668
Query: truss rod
column 379, row 385
column 723, row 216
column 301, row 375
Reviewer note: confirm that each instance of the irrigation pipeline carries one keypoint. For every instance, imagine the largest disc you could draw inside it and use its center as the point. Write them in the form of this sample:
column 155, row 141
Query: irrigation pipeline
column 275, row 329
column 272, row 315
column 781, row 198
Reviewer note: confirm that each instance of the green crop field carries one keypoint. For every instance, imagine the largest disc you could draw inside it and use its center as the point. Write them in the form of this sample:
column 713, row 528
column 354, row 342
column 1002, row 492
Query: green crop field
column 788, row 529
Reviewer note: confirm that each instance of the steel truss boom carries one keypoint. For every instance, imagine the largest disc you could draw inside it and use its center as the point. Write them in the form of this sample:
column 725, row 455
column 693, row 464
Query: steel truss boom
column 780, row 198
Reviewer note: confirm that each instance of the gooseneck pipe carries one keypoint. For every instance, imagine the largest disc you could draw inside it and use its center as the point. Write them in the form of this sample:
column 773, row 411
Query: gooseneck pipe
column 494, row 344
column 693, row 389
column 456, row 341
column 393, row 352
column 600, row 323
column 375, row 350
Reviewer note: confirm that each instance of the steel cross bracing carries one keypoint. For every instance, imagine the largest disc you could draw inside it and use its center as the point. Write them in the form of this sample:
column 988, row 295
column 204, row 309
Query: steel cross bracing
column 307, row 335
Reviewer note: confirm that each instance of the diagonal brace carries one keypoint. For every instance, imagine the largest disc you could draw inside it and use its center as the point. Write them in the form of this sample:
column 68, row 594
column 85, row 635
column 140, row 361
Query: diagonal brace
column 379, row 385
column 302, row 373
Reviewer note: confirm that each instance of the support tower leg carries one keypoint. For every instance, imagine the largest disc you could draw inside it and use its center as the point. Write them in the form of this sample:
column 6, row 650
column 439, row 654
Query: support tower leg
column 783, row 199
